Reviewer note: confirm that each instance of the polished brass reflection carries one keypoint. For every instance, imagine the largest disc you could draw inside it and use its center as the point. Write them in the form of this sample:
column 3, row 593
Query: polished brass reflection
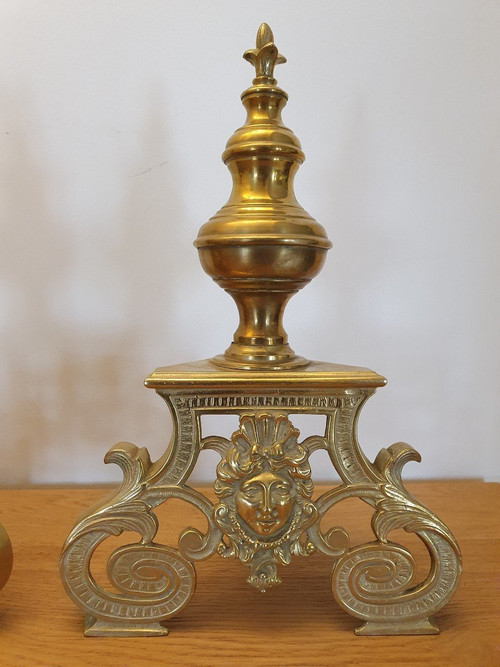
column 264, row 502
column 261, row 247
column 5, row 557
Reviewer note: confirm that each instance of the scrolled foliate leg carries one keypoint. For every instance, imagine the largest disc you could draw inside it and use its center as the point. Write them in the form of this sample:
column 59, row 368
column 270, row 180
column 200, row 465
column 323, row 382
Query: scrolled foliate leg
column 151, row 582
column 374, row 581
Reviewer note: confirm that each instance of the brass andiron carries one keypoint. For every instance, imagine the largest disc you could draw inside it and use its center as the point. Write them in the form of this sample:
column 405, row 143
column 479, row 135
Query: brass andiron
column 261, row 247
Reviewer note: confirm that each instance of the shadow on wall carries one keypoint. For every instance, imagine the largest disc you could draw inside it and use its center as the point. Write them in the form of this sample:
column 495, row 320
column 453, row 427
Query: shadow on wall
column 343, row 294
column 71, row 381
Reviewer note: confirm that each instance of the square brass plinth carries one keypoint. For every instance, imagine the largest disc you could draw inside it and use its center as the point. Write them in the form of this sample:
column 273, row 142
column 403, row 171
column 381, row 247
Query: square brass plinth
column 204, row 376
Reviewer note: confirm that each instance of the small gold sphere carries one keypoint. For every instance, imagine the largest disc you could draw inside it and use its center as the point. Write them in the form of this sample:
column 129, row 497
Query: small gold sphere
column 5, row 557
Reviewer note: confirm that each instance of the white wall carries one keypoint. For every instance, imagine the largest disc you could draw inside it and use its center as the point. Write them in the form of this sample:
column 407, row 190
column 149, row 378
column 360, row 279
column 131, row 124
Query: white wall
column 113, row 115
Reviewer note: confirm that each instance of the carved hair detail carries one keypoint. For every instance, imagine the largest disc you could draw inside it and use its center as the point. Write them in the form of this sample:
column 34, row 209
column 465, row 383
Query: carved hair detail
column 264, row 442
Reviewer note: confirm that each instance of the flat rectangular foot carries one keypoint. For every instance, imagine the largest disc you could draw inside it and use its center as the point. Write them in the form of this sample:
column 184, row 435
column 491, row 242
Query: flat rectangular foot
column 420, row 626
column 96, row 628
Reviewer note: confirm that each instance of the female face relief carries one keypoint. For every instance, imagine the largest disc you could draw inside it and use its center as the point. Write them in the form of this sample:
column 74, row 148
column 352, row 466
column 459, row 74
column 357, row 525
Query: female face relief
column 265, row 502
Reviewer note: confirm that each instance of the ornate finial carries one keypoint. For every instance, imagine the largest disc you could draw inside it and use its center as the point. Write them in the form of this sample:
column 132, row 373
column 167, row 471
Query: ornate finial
column 262, row 246
column 265, row 56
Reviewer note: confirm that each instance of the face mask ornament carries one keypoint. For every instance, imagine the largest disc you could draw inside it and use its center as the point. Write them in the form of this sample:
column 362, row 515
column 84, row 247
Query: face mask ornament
column 264, row 487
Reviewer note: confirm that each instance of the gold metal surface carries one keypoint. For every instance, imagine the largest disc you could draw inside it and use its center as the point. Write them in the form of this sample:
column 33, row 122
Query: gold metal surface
column 204, row 375
column 261, row 247
column 374, row 581
column 264, row 486
column 5, row 557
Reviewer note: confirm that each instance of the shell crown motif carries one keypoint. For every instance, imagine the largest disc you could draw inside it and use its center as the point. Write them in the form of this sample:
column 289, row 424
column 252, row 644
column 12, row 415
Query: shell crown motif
column 263, row 441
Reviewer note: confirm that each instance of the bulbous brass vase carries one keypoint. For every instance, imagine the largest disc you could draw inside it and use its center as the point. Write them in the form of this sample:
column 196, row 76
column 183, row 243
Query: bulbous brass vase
column 262, row 246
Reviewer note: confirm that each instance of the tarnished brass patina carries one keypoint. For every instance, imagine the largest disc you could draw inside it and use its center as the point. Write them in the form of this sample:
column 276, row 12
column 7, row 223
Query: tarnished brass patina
column 261, row 247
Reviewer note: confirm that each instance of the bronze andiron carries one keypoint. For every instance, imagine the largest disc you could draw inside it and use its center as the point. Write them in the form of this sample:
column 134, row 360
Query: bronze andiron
column 261, row 247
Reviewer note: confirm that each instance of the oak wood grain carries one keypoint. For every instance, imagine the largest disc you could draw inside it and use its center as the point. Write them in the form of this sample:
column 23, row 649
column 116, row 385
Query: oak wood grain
column 230, row 623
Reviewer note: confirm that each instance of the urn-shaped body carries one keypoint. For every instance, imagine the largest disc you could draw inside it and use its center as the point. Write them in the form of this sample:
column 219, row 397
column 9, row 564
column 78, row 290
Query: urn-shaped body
column 262, row 246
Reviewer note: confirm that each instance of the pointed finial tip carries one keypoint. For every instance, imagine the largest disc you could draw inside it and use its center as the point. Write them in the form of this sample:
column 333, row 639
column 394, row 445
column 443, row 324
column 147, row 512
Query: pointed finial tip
column 264, row 35
column 265, row 56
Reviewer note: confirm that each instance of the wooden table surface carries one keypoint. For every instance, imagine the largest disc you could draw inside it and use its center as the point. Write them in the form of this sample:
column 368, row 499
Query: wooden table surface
column 228, row 622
